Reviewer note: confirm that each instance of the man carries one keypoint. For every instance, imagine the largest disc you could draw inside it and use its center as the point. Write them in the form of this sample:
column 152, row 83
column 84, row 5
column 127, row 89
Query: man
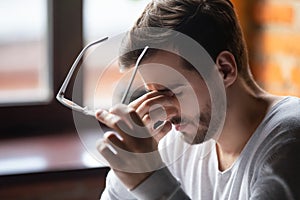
column 252, row 152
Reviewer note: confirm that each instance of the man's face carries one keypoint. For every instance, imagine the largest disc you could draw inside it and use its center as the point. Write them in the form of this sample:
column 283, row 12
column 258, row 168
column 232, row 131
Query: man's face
column 191, row 100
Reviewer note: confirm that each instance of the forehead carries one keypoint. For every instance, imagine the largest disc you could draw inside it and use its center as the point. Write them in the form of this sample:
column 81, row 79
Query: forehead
column 165, row 69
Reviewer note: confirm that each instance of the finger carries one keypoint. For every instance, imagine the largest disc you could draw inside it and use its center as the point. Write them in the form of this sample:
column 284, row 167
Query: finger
column 139, row 128
column 161, row 100
column 136, row 103
column 162, row 130
column 122, row 111
column 118, row 120
column 110, row 155
column 115, row 139
column 114, row 121
column 159, row 114
column 129, row 115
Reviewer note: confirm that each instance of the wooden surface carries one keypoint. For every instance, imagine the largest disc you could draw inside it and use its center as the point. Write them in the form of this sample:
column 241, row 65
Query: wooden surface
column 59, row 185
column 49, row 167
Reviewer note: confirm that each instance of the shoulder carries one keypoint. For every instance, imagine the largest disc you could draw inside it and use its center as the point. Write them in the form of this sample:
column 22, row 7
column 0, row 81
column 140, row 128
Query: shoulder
column 287, row 109
column 278, row 136
column 284, row 117
column 281, row 126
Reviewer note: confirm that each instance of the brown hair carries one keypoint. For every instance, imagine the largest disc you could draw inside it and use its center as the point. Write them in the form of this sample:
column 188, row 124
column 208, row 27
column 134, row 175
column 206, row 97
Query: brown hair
column 212, row 23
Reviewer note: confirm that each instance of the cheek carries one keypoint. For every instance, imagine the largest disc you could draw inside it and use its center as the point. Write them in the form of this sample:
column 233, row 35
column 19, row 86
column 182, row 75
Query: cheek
column 194, row 100
column 189, row 103
column 203, row 97
column 202, row 92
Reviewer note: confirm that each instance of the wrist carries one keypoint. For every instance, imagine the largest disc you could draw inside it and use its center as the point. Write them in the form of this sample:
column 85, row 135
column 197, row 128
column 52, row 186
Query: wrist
column 132, row 180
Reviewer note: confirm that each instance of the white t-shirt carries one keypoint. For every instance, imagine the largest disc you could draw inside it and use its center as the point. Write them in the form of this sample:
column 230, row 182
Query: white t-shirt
column 267, row 168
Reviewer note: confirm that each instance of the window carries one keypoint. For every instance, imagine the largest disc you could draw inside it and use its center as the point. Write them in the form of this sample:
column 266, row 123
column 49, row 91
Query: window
column 24, row 70
column 38, row 60
column 102, row 81
column 39, row 40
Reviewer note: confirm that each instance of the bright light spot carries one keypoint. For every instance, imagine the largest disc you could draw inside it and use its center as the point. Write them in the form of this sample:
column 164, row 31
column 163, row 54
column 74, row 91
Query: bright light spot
column 22, row 165
column 90, row 161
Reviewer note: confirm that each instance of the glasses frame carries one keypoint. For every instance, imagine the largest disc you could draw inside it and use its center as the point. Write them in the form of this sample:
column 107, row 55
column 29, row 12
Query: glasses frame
column 74, row 106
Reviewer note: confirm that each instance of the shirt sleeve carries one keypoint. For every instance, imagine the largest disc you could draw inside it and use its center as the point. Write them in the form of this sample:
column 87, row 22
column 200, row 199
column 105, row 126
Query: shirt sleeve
column 160, row 185
column 279, row 176
column 114, row 189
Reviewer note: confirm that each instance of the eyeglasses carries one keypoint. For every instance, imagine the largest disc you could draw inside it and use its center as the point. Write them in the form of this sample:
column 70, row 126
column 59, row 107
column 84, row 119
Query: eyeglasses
column 84, row 109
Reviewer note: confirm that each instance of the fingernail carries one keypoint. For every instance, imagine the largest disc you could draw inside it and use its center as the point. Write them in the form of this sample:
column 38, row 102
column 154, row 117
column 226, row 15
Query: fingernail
column 99, row 112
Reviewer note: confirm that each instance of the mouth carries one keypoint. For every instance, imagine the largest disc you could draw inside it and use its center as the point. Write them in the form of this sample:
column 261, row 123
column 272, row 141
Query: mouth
column 180, row 127
column 179, row 123
column 193, row 129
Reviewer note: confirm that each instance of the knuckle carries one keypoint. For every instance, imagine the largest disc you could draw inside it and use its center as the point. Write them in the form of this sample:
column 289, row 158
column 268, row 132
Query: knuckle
column 148, row 95
column 115, row 108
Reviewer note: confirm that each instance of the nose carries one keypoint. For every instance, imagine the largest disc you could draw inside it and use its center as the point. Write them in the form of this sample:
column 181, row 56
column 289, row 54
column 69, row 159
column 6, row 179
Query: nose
column 176, row 114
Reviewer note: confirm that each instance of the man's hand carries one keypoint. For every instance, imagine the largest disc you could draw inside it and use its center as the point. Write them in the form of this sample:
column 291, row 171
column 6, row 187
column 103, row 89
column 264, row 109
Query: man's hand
column 155, row 107
column 132, row 150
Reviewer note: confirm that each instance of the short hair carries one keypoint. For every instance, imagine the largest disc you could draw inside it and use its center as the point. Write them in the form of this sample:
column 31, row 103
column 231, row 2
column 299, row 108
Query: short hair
column 211, row 23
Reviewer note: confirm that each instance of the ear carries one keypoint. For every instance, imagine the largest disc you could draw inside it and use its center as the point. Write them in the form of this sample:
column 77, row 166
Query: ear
column 227, row 67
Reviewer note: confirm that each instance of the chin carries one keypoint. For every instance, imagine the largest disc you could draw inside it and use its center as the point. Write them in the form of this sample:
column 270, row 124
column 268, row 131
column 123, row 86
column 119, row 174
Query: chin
column 199, row 138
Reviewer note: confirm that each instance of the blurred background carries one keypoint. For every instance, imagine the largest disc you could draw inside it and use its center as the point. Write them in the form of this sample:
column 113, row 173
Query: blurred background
column 272, row 29
column 41, row 156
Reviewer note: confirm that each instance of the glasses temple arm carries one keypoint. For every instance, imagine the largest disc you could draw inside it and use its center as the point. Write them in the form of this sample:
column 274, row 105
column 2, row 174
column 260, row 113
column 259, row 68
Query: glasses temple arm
column 68, row 78
column 133, row 74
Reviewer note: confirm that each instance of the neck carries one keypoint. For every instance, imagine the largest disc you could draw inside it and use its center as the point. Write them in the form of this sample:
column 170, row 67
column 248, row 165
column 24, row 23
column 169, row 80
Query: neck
column 246, row 108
